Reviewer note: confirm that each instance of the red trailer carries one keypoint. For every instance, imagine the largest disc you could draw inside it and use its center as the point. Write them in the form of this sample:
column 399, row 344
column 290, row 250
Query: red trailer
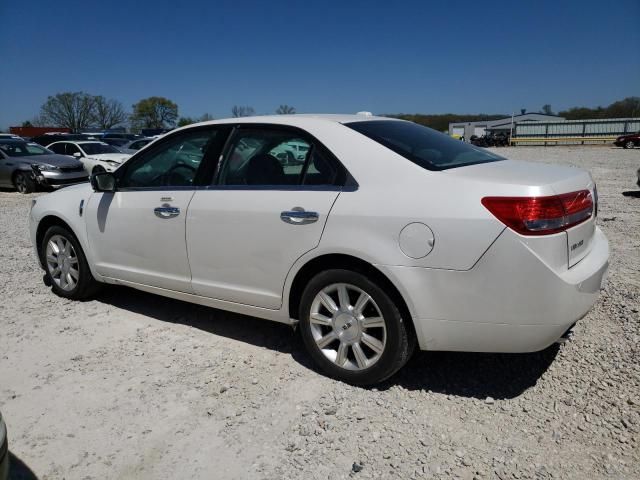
column 29, row 132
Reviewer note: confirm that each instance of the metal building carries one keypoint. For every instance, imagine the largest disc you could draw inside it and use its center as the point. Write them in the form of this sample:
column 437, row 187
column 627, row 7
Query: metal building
column 502, row 125
column 574, row 131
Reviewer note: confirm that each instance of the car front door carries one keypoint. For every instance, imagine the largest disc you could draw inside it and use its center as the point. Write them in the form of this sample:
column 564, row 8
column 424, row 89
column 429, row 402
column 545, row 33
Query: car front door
column 6, row 170
column 137, row 233
column 259, row 216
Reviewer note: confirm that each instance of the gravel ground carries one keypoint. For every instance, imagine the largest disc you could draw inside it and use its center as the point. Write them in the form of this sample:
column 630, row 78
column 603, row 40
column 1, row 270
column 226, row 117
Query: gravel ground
column 131, row 385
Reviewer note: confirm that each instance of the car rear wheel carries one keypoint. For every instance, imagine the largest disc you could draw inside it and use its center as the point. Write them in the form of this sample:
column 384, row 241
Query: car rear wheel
column 24, row 183
column 66, row 266
column 629, row 144
column 352, row 328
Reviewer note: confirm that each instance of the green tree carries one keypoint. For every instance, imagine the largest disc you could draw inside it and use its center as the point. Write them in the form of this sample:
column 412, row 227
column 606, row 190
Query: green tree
column 74, row 110
column 154, row 112
column 27, row 124
column 184, row 121
column 626, row 108
column 546, row 109
column 285, row 110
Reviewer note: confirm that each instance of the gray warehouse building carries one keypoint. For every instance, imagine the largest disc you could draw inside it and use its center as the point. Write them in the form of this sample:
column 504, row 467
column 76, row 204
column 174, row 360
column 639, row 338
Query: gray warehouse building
column 502, row 125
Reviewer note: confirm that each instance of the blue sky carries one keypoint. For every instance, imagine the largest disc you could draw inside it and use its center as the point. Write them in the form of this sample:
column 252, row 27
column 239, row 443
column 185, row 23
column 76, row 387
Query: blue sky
column 321, row 56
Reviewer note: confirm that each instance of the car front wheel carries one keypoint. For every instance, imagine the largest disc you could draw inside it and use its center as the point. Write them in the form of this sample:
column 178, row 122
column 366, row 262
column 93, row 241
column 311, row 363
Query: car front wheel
column 66, row 266
column 629, row 144
column 24, row 183
column 352, row 328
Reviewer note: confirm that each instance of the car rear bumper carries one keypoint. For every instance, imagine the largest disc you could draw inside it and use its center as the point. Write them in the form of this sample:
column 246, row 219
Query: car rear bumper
column 510, row 301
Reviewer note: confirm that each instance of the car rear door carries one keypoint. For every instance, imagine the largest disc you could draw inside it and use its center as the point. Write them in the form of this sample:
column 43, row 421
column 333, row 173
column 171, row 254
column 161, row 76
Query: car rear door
column 137, row 234
column 259, row 216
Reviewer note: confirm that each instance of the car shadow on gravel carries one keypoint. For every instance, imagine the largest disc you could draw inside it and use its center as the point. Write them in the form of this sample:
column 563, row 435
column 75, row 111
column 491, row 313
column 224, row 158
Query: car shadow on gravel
column 475, row 375
column 255, row 331
column 18, row 470
column 632, row 193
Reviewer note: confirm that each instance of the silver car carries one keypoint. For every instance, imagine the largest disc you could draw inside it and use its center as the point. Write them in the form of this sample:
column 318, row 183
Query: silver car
column 25, row 165
column 4, row 451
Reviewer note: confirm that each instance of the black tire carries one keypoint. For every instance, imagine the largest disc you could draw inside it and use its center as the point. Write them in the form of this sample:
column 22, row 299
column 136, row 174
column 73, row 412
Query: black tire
column 400, row 340
column 629, row 144
column 24, row 183
column 86, row 285
column 98, row 169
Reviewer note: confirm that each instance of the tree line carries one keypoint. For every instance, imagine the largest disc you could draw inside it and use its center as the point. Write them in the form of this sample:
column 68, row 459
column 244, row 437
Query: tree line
column 626, row 108
column 80, row 111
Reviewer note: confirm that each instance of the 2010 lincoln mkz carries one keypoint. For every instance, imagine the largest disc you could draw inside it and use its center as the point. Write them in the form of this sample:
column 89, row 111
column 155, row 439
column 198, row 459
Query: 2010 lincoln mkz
column 374, row 235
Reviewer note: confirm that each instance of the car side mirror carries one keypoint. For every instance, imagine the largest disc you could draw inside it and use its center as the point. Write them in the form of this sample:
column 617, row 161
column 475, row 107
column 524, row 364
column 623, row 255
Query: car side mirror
column 77, row 155
column 103, row 182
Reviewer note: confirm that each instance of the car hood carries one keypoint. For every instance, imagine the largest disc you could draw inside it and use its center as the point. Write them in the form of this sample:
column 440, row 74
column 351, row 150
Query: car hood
column 54, row 160
column 115, row 157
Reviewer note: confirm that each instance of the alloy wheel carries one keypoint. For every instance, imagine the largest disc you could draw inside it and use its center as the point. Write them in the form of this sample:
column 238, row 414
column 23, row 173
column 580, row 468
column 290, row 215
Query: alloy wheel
column 347, row 326
column 630, row 144
column 62, row 262
column 21, row 183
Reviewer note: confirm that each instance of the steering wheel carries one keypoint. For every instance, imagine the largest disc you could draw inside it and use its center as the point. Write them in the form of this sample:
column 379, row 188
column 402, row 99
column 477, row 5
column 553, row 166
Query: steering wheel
column 167, row 175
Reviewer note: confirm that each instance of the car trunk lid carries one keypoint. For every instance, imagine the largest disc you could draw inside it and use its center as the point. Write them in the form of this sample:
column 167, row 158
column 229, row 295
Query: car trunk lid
column 513, row 179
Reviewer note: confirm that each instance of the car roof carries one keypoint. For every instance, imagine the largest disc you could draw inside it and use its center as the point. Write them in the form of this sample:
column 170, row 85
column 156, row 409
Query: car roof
column 298, row 120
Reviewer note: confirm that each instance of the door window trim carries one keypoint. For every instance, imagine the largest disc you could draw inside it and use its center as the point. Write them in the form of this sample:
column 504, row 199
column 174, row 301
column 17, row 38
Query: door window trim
column 345, row 183
column 199, row 177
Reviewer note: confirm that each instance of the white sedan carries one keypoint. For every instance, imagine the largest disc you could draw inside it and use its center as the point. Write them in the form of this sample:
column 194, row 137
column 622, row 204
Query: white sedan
column 389, row 235
column 95, row 156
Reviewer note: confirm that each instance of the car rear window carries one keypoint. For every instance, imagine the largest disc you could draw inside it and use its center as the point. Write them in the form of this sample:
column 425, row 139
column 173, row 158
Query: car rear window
column 423, row 146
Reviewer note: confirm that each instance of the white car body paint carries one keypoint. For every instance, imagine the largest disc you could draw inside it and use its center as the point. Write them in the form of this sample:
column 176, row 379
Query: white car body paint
column 481, row 287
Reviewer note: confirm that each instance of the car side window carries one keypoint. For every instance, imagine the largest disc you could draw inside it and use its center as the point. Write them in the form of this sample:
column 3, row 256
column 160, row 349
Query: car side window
column 321, row 169
column 58, row 148
column 71, row 149
column 264, row 157
column 173, row 163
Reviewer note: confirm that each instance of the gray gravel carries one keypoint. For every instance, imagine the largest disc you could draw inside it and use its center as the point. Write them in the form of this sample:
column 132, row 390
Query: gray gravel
column 136, row 386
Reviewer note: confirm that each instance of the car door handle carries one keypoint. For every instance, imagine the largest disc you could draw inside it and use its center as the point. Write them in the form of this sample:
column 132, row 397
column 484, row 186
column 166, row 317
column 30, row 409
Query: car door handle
column 166, row 212
column 299, row 217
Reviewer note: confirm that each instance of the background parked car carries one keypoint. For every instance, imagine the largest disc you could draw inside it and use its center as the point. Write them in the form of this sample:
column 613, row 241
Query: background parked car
column 49, row 138
column 628, row 141
column 10, row 136
column 95, row 156
column 25, row 165
column 115, row 142
column 127, row 136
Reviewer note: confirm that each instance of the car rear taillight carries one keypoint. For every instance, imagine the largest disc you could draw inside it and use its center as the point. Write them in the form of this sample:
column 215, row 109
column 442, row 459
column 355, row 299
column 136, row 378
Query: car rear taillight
column 541, row 215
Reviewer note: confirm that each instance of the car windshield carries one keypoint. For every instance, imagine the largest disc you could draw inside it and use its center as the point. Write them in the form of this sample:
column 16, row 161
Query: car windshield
column 23, row 149
column 423, row 146
column 98, row 148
